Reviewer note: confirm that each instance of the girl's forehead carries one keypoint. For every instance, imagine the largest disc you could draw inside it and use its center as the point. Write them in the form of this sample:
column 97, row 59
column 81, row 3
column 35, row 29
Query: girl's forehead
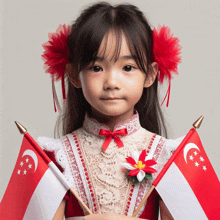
column 113, row 46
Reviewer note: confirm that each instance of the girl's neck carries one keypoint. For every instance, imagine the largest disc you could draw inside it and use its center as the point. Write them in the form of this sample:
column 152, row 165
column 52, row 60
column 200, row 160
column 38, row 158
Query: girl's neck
column 110, row 121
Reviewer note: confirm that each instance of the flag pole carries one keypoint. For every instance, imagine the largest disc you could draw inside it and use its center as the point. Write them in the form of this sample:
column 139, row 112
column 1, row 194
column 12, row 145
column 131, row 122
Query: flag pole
column 196, row 125
column 60, row 176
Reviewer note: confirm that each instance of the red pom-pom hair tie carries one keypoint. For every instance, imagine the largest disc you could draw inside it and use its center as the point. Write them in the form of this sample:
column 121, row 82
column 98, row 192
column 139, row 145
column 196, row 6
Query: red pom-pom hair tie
column 166, row 51
column 55, row 57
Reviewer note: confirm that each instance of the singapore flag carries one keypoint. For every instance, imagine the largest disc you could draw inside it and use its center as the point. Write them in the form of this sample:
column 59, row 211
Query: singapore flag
column 36, row 187
column 188, row 183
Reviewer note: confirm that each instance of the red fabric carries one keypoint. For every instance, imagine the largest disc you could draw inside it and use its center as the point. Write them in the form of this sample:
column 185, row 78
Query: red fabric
column 51, row 155
column 152, row 207
column 72, row 206
column 111, row 135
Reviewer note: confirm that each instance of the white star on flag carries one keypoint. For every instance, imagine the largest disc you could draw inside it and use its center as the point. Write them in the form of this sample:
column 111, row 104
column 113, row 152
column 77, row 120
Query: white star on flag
column 19, row 171
column 196, row 164
column 24, row 172
column 201, row 158
column 21, row 163
column 27, row 160
column 204, row 168
column 29, row 166
column 195, row 153
column 191, row 157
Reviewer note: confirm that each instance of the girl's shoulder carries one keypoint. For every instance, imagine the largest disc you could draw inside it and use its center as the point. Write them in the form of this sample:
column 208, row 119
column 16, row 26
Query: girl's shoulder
column 52, row 144
column 172, row 144
column 54, row 150
column 163, row 150
column 49, row 144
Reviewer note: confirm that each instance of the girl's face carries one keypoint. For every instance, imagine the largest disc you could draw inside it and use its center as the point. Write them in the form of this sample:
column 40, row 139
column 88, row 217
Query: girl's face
column 113, row 88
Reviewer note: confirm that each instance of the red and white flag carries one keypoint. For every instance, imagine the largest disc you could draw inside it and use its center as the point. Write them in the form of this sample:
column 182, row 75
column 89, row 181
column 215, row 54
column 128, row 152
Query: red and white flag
column 188, row 183
column 36, row 187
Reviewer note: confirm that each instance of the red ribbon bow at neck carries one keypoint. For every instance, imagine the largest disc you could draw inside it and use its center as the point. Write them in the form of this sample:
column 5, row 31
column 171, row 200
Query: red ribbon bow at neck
column 111, row 135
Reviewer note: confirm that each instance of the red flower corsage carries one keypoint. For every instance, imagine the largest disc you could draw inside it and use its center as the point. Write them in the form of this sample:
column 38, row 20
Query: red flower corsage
column 138, row 167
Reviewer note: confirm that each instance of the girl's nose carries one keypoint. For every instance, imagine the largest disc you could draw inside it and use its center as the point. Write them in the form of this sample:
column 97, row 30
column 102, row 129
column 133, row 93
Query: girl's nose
column 112, row 81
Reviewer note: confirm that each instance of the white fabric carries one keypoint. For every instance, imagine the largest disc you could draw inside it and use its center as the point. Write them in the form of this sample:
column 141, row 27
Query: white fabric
column 46, row 198
column 171, row 192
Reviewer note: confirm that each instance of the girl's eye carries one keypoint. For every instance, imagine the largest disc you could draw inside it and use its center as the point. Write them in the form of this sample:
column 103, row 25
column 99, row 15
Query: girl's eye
column 128, row 68
column 95, row 69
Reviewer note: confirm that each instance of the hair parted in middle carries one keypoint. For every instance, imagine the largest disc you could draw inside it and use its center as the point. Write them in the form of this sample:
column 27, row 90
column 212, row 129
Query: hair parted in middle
column 86, row 35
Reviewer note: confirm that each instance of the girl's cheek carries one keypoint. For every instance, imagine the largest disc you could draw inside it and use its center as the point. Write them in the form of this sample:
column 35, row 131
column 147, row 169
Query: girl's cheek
column 127, row 74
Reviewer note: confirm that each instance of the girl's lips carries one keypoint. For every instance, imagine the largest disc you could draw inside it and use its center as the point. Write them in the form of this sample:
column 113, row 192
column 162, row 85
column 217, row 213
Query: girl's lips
column 110, row 98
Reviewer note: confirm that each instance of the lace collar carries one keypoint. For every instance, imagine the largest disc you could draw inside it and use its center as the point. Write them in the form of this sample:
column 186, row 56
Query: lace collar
column 92, row 126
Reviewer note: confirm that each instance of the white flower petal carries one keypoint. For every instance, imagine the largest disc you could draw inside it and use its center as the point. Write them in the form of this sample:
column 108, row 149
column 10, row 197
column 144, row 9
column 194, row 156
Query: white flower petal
column 141, row 175
column 128, row 166
column 135, row 156
column 148, row 158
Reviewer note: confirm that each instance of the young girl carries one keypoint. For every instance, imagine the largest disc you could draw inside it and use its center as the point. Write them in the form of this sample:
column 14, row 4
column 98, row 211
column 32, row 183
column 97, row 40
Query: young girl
column 112, row 64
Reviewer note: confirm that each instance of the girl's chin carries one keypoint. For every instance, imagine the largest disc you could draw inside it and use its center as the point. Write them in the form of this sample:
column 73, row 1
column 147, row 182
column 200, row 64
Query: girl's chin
column 113, row 113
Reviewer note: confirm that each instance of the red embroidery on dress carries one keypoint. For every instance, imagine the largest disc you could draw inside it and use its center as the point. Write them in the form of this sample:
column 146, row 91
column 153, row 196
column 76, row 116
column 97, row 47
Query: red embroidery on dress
column 128, row 202
column 142, row 187
column 87, row 175
column 74, row 169
column 159, row 148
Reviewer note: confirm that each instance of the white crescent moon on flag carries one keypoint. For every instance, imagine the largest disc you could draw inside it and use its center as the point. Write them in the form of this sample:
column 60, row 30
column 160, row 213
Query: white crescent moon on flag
column 187, row 148
column 33, row 155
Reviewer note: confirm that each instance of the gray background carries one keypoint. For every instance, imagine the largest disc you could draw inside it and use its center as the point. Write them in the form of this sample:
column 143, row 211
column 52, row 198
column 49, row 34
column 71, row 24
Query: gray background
column 25, row 90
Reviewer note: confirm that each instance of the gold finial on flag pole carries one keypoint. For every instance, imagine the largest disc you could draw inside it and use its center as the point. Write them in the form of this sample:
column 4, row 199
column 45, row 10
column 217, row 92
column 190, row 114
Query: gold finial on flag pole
column 21, row 128
column 198, row 122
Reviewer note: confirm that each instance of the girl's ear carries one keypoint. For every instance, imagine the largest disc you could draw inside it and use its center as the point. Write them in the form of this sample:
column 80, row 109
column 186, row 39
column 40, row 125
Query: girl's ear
column 152, row 75
column 73, row 79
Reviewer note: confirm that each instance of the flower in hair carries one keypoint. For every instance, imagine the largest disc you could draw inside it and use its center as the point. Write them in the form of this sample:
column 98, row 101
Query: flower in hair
column 56, row 55
column 57, row 51
column 138, row 167
column 166, row 50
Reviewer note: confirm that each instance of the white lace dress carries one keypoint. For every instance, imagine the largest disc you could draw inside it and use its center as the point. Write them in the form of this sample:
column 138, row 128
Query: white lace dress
column 98, row 176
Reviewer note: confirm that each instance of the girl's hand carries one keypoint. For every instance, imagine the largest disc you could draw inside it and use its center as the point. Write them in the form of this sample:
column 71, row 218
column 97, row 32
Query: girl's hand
column 108, row 217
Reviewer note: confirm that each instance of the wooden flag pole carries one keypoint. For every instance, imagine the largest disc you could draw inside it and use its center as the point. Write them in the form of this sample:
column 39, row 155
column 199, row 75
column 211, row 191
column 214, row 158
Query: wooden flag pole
column 143, row 201
column 80, row 201
column 196, row 125
column 23, row 131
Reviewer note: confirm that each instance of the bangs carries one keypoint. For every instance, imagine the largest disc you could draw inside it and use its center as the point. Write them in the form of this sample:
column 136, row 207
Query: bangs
column 96, row 30
column 117, row 45
column 134, row 44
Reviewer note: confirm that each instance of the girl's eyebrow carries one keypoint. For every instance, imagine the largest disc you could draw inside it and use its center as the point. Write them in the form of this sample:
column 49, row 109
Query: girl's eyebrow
column 126, row 57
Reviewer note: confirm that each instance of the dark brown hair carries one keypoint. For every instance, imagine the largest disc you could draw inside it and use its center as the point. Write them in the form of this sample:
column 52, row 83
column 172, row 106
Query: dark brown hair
column 87, row 33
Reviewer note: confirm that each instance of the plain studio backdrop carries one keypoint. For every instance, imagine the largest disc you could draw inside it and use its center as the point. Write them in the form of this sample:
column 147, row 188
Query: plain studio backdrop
column 25, row 89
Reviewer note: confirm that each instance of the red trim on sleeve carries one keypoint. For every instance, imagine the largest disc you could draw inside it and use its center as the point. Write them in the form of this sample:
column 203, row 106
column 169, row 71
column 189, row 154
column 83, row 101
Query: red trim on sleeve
column 51, row 155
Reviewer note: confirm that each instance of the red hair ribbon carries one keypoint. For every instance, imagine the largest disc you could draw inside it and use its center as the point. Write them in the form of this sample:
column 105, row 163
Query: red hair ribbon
column 166, row 51
column 111, row 135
